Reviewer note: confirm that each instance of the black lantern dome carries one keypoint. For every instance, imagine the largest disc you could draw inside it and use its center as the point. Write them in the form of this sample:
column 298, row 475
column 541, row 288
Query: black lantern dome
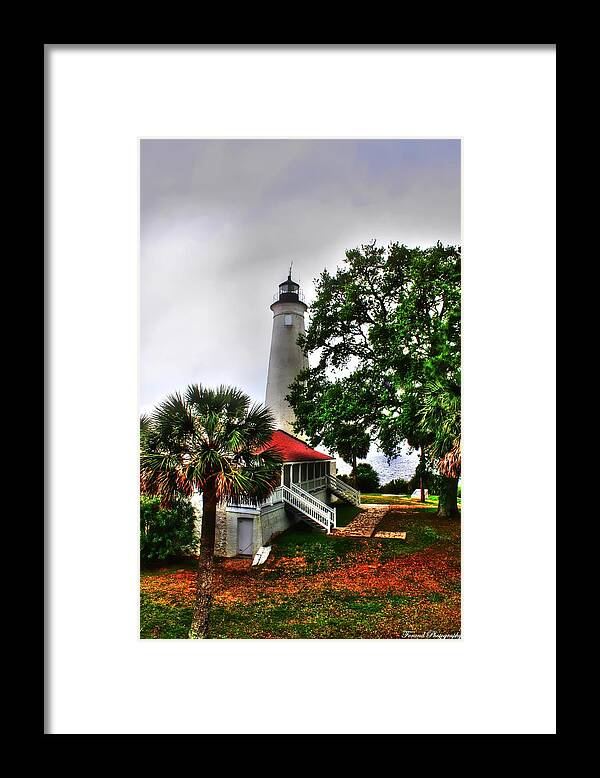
column 289, row 291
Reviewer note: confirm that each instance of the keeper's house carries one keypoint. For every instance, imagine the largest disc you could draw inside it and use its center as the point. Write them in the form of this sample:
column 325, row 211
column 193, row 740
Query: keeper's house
column 307, row 484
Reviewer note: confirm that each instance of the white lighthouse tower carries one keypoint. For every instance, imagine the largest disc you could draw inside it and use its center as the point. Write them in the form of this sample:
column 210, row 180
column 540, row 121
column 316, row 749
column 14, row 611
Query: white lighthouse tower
column 286, row 359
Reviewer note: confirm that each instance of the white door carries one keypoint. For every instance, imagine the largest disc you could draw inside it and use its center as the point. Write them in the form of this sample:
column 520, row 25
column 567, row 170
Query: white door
column 245, row 536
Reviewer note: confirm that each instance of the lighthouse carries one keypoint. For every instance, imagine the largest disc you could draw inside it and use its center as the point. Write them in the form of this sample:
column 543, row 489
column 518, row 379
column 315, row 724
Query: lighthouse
column 286, row 358
column 309, row 488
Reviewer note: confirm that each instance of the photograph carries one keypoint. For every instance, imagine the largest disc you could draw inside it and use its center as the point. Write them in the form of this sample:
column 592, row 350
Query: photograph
column 300, row 314
column 300, row 388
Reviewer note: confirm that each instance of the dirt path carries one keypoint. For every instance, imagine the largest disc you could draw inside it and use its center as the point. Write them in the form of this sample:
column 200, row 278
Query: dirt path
column 363, row 525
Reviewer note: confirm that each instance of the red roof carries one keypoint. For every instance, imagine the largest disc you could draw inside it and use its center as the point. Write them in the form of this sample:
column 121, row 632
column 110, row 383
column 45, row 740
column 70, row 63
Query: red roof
column 293, row 449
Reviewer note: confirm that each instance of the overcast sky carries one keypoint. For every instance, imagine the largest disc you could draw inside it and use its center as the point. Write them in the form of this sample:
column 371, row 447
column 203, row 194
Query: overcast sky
column 222, row 220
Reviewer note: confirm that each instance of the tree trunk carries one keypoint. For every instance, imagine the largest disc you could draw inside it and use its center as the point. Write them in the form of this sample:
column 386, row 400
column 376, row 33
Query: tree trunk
column 448, row 499
column 421, row 483
column 354, row 470
column 204, row 581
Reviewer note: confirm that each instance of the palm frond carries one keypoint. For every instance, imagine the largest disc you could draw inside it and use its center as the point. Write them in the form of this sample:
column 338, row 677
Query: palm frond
column 208, row 436
column 440, row 419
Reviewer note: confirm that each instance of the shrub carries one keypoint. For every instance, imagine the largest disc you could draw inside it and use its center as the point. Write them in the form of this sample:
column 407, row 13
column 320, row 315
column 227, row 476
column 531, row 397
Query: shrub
column 397, row 486
column 347, row 479
column 367, row 479
column 166, row 533
column 400, row 486
column 433, row 484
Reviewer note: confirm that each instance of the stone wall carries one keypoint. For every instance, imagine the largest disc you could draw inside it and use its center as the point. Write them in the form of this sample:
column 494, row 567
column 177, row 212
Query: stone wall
column 222, row 534
column 272, row 521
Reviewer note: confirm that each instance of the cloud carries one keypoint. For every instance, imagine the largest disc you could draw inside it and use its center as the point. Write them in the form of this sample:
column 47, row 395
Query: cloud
column 222, row 219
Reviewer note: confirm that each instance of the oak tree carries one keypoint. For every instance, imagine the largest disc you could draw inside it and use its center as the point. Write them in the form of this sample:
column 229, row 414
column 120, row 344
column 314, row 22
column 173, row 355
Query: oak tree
column 386, row 327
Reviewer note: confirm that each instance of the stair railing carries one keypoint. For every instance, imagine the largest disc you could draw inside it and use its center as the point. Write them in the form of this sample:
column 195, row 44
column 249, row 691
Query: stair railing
column 345, row 489
column 310, row 506
column 302, row 501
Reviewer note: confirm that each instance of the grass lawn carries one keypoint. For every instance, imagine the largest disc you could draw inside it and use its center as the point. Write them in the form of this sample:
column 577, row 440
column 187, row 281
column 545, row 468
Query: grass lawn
column 344, row 514
column 324, row 586
column 385, row 499
column 396, row 499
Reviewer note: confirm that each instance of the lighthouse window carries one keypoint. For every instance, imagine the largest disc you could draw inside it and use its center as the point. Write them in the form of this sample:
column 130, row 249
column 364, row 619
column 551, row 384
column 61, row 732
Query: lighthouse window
column 287, row 319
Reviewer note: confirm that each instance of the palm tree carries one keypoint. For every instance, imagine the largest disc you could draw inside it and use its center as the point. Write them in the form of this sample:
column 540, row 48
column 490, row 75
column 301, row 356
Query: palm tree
column 440, row 416
column 207, row 440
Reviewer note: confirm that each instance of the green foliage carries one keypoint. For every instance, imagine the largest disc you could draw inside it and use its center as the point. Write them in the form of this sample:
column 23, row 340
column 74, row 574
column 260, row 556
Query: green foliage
column 435, row 597
column 397, row 486
column 286, row 605
column 337, row 414
column 163, row 621
column 366, row 477
column 328, row 615
column 428, row 535
column 345, row 513
column 418, row 537
column 440, row 416
column 386, row 329
column 166, row 533
column 210, row 440
column 434, row 483
column 401, row 486
column 321, row 552
column 367, row 498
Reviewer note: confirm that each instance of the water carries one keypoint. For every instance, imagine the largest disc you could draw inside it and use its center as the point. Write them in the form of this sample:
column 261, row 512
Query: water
column 402, row 466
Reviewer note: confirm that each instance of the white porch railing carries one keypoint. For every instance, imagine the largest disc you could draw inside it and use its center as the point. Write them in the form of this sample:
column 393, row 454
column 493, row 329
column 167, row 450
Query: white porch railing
column 302, row 501
column 273, row 498
column 344, row 490
column 298, row 496
column 314, row 485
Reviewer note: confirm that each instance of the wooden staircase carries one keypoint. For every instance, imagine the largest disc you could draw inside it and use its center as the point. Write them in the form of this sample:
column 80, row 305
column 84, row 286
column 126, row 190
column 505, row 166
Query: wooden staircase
column 308, row 508
column 343, row 490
